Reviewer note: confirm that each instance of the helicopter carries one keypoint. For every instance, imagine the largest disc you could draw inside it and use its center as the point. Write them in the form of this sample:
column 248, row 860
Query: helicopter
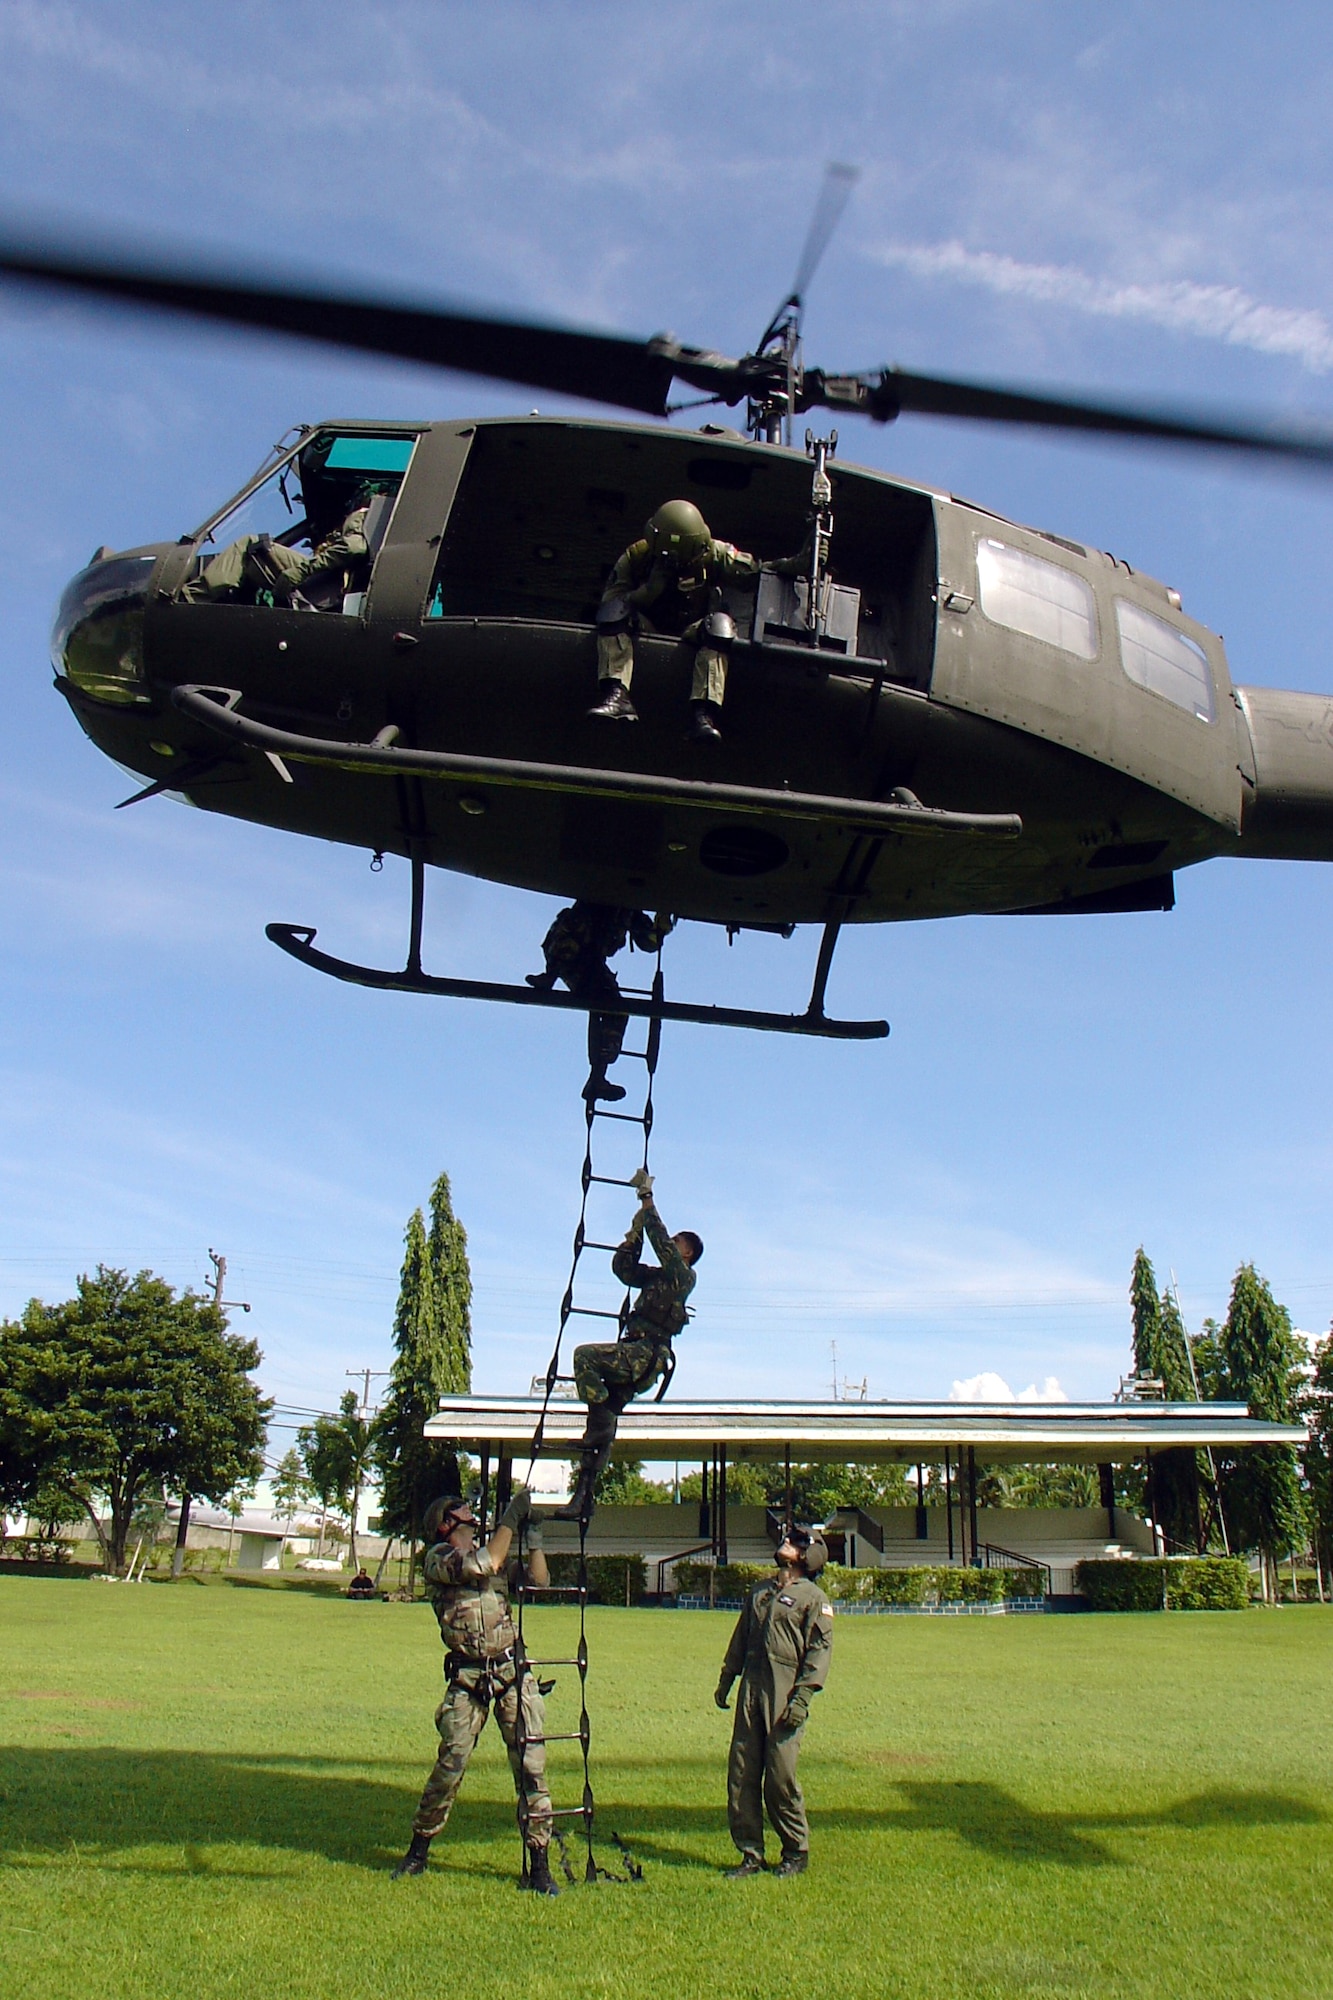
column 944, row 713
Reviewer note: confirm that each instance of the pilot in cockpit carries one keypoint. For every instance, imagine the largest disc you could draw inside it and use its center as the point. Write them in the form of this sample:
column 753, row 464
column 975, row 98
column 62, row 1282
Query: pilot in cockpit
column 263, row 569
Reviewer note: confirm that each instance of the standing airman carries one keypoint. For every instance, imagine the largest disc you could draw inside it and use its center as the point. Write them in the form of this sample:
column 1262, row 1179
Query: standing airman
column 780, row 1653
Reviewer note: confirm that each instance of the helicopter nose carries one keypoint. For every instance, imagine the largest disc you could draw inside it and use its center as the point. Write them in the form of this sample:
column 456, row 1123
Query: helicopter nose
column 97, row 640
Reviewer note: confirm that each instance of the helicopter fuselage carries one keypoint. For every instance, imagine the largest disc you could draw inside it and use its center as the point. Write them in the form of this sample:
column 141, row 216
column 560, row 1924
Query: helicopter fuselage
column 981, row 669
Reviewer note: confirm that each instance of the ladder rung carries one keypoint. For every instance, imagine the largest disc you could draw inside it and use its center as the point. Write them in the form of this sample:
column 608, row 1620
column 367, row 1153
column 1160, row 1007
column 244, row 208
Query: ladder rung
column 594, row 1312
column 609, row 1180
column 588, row 1244
column 553, row 1663
column 554, row 1589
column 569, row 1736
column 623, row 1117
column 567, row 1812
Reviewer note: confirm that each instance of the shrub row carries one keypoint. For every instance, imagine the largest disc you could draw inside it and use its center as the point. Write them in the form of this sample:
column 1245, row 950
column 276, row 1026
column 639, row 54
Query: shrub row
column 922, row 1584
column 611, row 1579
column 1178, row 1583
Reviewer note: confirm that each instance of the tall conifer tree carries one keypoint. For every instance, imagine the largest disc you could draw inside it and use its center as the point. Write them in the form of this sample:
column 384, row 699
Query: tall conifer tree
column 1263, row 1362
column 432, row 1340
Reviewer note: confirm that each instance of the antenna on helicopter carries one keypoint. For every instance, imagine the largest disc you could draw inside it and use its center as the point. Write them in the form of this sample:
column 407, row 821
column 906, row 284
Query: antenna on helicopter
column 770, row 412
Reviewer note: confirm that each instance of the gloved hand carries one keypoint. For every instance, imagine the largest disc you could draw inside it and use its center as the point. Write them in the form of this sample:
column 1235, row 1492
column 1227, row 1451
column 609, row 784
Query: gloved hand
column 795, row 1714
column 722, row 1693
column 642, row 1181
column 517, row 1511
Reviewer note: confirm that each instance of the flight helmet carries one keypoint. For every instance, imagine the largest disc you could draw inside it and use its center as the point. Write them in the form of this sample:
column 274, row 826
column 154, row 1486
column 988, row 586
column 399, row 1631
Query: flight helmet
column 679, row 533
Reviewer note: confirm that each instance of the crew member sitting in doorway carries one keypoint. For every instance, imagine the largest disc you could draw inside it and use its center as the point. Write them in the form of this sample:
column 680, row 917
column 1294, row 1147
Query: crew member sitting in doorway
column 266, row 571
column 675, row 573
column 610, row 1374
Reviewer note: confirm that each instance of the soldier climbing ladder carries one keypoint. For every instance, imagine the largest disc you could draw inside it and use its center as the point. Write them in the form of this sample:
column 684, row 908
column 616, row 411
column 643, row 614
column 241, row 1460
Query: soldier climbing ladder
column 570, row 1308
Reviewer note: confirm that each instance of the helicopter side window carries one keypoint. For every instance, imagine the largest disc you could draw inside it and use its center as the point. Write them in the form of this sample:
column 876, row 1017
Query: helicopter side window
column 1158, row 657
column 1040, row 599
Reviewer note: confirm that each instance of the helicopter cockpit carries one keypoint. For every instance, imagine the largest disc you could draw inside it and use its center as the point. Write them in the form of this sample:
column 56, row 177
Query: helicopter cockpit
column 285, row 539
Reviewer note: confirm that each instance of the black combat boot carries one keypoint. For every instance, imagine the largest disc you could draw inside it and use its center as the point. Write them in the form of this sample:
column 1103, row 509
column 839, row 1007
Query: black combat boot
column 579, row 1506
column 598, row 1091
column 614, row 704
column 416, row 1858
column 539, row 1873
column 704, row 719
column 749, row 1864
column 791, row 1864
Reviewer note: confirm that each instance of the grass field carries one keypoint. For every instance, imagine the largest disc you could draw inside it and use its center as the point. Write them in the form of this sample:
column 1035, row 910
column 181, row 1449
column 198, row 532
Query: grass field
column 202, row 1787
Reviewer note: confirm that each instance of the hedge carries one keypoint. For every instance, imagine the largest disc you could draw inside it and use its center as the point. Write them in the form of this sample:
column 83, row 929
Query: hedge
column 922, row 1584
column 611, row 1579
column 1176, row 1583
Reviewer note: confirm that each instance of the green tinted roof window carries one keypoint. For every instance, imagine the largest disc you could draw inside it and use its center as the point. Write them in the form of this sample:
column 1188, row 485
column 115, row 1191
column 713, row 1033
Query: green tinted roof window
column 369, row 454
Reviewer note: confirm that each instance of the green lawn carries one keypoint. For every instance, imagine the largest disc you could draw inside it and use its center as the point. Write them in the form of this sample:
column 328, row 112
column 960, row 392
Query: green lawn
column 203, row 1785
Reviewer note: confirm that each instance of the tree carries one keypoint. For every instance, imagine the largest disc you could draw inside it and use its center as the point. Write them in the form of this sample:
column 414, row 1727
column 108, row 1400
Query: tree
column 336, row 1454
column 1145, row 1310
column 1263, row 1364
column 128, row 1389
column 432, row 1358
column 289, row 1486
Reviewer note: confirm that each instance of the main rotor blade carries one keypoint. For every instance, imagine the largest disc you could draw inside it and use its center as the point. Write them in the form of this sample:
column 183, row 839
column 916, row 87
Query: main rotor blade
column 896, row 390
column 839, row 180
column 602, row 367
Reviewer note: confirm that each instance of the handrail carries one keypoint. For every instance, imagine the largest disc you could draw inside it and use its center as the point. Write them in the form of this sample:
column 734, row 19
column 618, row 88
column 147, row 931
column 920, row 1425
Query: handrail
column 680, row 1555
column 1011, row 1556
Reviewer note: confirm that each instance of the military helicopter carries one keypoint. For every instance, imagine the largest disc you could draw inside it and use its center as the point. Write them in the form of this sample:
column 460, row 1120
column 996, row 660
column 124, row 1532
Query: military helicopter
column 945, row 713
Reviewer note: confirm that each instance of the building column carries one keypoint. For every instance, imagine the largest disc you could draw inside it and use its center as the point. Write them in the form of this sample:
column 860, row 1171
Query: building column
column 1106, row 1479
column 973, row 1535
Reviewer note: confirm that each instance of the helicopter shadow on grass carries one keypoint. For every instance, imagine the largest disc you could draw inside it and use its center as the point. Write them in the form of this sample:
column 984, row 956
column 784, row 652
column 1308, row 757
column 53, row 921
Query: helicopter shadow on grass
column 986, row 1817
column 100, row 1800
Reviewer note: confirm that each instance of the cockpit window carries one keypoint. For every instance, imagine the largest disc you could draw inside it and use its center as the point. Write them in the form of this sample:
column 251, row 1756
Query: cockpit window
column 309, row 533
column 1158, row 657
column 1042, row 599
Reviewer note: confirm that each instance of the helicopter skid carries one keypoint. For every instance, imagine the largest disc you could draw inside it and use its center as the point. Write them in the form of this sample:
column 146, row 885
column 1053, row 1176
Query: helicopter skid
column 297, row 940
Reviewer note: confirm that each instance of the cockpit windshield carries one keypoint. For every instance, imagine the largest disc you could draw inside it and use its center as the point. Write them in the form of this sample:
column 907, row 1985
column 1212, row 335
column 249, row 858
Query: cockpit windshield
column 307, row 535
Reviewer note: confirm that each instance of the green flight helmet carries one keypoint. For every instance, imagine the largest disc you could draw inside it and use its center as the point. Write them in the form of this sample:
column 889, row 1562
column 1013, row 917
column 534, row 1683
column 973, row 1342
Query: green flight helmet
column 679, row 533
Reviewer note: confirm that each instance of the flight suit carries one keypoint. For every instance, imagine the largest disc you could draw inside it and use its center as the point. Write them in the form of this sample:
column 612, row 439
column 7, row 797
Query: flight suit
column 471, row 1600
column 576, row 949
column 275, row 565
column 780, row 1652
column 677, row 604
column 619, row 1370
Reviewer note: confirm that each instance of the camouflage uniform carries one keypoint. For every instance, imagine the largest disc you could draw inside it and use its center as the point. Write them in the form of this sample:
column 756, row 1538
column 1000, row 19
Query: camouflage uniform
column 780, row 1652
column 677, row 604
column 576, row 949
column 616, row 1371
column 471, row 1601
column 275, row 563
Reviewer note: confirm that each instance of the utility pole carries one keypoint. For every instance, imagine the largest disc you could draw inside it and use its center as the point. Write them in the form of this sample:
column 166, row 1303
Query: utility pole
column 365, row 1376
column 217, row 1285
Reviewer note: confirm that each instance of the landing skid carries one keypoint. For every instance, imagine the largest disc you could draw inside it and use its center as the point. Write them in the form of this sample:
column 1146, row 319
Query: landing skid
column 298, row 941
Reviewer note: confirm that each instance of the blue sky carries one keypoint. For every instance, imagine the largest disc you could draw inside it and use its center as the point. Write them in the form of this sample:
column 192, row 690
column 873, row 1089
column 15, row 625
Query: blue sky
column 1137, row 202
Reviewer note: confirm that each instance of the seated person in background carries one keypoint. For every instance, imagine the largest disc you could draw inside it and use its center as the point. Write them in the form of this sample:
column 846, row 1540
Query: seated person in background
column 257, row 563
column 361, row 1585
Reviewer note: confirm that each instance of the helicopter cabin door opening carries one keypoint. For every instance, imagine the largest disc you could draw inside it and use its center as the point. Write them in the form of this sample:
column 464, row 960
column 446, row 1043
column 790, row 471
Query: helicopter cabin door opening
column 544, row 510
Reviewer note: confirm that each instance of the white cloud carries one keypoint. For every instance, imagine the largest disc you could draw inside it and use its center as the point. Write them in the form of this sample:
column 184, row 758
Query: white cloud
column 1211, row 312
column 989, row 1387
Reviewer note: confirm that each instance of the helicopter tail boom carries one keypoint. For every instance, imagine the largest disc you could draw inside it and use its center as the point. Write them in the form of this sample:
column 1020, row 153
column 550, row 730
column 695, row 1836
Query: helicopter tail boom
column 1288, row 814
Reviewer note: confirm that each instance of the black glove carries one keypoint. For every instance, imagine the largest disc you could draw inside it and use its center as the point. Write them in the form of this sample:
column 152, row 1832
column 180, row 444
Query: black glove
column 795, row 1714
column 722, row 1693
column 517, row 1511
